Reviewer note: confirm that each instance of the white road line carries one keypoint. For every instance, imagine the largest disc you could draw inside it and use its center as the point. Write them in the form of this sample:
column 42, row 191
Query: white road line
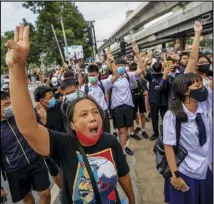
column 54, row 193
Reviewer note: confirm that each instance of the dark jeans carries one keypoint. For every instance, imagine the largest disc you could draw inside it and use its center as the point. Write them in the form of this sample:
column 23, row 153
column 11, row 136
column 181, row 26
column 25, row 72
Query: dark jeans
column 154, row 110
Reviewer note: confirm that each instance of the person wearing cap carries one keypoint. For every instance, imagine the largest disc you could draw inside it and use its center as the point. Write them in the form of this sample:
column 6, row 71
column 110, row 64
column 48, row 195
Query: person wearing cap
column 121, row 97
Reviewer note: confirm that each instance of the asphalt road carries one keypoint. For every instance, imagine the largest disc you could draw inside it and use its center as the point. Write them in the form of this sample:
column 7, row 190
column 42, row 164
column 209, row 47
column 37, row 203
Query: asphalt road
column 54, row 189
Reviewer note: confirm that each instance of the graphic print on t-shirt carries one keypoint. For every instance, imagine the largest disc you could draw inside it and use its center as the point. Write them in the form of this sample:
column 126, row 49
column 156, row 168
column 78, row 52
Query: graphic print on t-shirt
column 104, row 170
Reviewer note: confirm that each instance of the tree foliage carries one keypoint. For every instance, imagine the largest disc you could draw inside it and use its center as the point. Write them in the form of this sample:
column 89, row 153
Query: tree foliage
column 50, row 13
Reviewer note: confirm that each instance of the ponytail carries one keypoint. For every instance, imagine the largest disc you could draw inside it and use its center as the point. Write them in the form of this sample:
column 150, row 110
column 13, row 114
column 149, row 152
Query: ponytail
column 177, row 109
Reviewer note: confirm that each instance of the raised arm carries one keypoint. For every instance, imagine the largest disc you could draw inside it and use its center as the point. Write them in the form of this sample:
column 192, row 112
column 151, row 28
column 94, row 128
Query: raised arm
column 111, row 61
column 141, row 65
column 195, row 48
column 36, row 135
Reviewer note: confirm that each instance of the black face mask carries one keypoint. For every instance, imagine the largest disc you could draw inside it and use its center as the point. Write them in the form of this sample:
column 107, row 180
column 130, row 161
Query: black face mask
column 200, row 94
column 204, row 68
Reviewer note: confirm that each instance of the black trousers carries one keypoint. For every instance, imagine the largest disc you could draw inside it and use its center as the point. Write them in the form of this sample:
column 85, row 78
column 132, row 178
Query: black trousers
column 154, row 110
column 106, row 122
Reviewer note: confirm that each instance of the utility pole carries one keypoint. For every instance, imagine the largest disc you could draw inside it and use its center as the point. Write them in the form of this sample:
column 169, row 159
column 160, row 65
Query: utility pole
column 57, row 44
column 95, row 41
column 65, row 40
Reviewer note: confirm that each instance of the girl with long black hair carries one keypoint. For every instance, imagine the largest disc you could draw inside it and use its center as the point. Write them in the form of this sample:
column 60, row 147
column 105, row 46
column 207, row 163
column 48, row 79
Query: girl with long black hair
column 191, row 182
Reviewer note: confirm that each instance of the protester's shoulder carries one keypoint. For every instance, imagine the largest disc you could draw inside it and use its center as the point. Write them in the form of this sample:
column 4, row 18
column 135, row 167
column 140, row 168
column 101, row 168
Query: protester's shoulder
column 169, row 115
column 60, row 137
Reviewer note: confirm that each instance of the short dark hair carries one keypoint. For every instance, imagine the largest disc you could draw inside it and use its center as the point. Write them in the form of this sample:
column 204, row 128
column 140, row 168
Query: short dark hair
column 170, row 59
column 5, row 95
column 203, row 55
column 93, row 68
column 68, row 82
column 68, row 74
column 133, row 66
column 120, row 61
column 183, row 54
column 40, row 92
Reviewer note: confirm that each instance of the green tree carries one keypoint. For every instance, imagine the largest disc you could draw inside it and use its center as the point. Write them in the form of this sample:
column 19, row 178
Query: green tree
column 7, row 36
column 50, row 13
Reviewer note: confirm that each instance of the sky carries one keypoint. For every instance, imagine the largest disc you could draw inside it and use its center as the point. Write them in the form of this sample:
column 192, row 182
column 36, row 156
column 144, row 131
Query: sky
column 107, row 15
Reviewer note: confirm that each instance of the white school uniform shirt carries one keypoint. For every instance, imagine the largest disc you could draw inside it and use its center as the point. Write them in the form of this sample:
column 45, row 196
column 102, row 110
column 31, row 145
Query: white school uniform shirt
column 96, row 92
column 121, row 93
column 196, row 162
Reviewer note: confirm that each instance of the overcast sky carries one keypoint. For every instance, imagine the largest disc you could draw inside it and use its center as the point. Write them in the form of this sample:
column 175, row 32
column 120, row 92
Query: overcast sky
column 107, row 15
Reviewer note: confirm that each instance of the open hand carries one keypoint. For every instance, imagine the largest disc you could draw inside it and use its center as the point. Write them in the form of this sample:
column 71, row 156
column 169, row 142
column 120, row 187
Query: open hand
column 18, row 49
column 198, row 27
column 42, row 112
column 110, row 57
column 135, row 48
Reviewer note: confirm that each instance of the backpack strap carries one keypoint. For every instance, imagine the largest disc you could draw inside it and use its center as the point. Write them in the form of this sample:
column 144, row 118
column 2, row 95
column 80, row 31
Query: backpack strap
column 127, row 77
column 86, row 89
column 178, row 131
column 102, row 87
column 90, row 173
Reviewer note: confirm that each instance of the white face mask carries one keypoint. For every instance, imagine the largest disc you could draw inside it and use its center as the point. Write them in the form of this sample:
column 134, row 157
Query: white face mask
column 72, row 96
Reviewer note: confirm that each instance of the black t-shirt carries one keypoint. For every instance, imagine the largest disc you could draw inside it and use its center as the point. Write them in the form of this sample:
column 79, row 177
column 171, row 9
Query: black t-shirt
column 107, row 162
column 55, row 119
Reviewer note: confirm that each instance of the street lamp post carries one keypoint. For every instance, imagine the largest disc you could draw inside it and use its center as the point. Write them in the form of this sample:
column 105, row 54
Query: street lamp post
column 95, row 41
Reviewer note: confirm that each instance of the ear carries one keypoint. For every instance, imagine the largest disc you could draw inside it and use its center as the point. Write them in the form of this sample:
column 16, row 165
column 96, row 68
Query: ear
column 72, row 126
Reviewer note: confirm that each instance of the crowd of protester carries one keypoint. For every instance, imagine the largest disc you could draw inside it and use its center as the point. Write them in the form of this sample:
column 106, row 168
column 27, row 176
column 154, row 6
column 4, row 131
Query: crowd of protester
column 72, row 118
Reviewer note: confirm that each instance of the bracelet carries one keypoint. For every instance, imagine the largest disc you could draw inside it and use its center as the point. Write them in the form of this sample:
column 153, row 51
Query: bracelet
column 112, row 61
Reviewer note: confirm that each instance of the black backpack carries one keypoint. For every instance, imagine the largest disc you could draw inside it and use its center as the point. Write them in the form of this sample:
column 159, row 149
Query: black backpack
column 161, row 161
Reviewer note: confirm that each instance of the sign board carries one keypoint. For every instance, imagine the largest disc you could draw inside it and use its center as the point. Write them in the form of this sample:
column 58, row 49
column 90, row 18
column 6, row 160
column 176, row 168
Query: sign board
column 74, row 52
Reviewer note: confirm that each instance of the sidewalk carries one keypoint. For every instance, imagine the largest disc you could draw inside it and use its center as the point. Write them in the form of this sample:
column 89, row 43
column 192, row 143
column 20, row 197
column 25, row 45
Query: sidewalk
column 147, row 183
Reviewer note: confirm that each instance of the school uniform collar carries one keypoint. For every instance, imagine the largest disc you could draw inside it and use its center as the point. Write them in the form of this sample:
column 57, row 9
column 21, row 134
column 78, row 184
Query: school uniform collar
column 90, row 85
column 176, row 72
column 191, row 115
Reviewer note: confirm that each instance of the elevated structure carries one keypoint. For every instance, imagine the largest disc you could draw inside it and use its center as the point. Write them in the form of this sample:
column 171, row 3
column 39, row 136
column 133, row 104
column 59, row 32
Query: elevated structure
column 178, row 23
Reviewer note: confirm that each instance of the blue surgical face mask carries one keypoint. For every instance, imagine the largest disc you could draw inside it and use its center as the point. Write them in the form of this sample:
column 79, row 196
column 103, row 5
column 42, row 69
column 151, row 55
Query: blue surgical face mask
column 8, row 112
column 52, row 103
column 105, row 67
column 72, row 96
column 121, row 70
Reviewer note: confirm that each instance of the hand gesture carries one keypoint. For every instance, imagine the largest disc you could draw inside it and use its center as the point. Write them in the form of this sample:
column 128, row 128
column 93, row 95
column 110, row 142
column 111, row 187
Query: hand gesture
column 110, row 57
column 3, row 193
column 42, row 112
column 179, row 184
column 198, row 27
column 167, row 67
column 147, row 59
column 135, row 48
column 18, row 49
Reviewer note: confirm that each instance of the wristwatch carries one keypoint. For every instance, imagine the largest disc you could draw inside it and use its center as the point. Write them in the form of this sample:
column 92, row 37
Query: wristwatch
column 177, row 174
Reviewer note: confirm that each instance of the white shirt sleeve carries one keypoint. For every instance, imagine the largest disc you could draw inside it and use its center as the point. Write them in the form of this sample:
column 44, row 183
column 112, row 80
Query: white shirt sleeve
column 83, row 88
column 131, row 76
column 169, row 132
column 207, row 105
column 107, row 83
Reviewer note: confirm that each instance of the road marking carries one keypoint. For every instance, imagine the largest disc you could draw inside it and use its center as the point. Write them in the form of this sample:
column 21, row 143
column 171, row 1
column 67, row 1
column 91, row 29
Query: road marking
column 54, row 193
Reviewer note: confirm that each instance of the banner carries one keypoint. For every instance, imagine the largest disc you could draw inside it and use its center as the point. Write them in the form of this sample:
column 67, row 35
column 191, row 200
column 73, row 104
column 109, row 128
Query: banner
column 74, row 52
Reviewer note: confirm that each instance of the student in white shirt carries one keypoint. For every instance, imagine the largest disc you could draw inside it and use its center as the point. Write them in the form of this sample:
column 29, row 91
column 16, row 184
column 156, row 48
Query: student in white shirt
column 191, row 182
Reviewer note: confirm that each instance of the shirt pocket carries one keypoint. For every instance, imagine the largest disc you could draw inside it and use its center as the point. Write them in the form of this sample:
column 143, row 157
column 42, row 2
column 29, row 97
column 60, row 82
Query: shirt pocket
column 190, row 133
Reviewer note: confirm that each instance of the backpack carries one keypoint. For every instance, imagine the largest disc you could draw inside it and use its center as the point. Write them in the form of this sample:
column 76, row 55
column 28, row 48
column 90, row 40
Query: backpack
column 161, row 161
column 110, row 91
column 100, row 85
